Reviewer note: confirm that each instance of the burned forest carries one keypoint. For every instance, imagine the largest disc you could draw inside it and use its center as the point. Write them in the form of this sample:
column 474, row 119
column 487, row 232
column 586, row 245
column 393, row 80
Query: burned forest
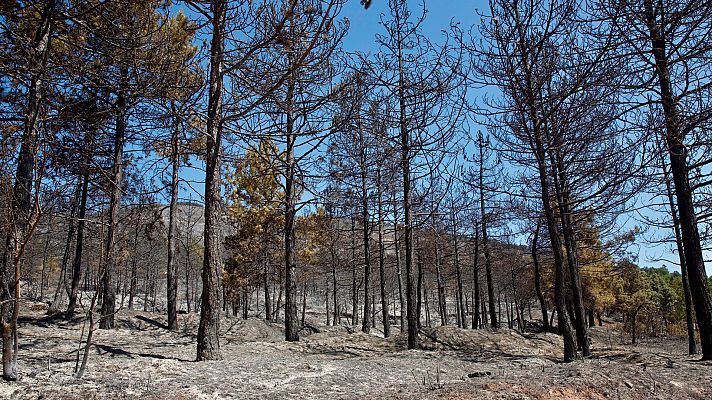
column 319, row 199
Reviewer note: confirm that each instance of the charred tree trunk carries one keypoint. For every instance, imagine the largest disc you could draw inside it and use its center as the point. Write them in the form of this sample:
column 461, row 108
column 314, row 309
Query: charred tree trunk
column 208, row 347
column 45, row 260
column 278, row 302
column 485, row 315
column 21, row 207
column 246, row 296
column 476, row 282
column 564, row 325
column 405, row 155
column 66, row 256
column 499, row 305
column 354, row 277
column 419, row 263
column 427, row 310
column 146, row 287
column 268, row 299
column 537, row 278
column 366, row 325
column 304, row 303
column 133, row 285
column 485, row 241
column 337, row 313
column 171, row 270
column 327, row 301
column 373, row 307
column 381, row 260
column 108, row 296
column 694, row 260
column 79, row 247
column 458, row 273
column 591, row 319
column 399, row 273
column 291, row 323
column 187, row 284
column 689, row 316
column 531, row 108
column 517, row 316
column 442, row 305
column 567, row 231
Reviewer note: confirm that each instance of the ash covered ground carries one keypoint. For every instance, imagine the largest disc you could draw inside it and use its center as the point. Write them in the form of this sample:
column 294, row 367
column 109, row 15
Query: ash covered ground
column 142, row 360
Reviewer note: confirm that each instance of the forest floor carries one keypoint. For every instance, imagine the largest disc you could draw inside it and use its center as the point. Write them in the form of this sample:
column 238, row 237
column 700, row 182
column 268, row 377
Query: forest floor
column 142, row 360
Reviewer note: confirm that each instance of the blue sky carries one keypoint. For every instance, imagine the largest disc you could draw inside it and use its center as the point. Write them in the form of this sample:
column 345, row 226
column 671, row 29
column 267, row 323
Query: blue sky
column 365, row 23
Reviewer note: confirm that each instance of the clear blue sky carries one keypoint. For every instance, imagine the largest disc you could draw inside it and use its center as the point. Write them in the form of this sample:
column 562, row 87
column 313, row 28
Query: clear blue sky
column 365, row 23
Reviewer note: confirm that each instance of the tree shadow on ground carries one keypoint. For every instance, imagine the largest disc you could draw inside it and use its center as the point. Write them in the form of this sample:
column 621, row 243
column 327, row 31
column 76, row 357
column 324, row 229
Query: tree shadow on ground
column 116, row 351
column 44, row 321
column 153, row 322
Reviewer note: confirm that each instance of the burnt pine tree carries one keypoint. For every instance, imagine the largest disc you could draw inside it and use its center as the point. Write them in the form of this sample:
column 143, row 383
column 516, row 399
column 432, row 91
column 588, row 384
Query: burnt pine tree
column 511, row 62
column 667, row 49
column 208, row 347
column 689, row 317
column 655, row 16
column 231, row 27
column 176, row 106
column 89, row 121
column 422, row 80
column 28, row 51
column 119, row 43
column 352, row 155
column 484, row 223
column 288, row 81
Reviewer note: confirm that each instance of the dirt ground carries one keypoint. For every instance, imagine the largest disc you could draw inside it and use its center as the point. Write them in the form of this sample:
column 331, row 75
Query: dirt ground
column 142, row 360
